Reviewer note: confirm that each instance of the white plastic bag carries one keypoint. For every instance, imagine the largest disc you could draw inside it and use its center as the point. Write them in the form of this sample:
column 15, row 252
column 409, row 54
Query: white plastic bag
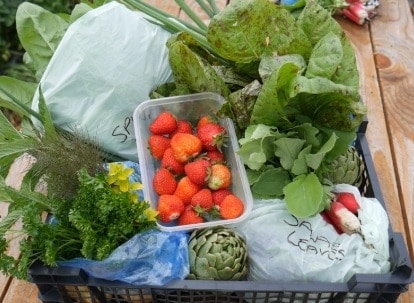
column 108, row 62
column 284, row 248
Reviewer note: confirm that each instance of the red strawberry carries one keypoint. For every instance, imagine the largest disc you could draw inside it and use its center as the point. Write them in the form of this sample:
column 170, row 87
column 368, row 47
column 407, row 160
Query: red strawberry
column 215, row 156
column 198, row 171
column 349, row 201
column 169, row 208
column 202, row 201
column 164, row 182
column 169, row 162
column 219, row 195
column 163, row 124
column 204, row 120
column 231, row 207
column 186, row 189
column 157, row 145
column 183, row 126
column 190, row 216
column 185, row 146
column 220, row 177
column 211, row 135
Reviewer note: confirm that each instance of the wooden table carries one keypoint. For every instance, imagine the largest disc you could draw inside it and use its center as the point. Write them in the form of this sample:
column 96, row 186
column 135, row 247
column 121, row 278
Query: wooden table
column 385, row 54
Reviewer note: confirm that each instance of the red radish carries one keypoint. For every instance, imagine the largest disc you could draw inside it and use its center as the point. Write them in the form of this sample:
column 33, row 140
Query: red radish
column 343, row 219
column 326, row 218
column 351, row 16
column 349, row 201
column 358, row 9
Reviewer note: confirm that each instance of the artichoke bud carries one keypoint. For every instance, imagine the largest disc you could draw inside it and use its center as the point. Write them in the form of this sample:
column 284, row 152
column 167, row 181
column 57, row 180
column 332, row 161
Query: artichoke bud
column 346, row 168
column 217, row 253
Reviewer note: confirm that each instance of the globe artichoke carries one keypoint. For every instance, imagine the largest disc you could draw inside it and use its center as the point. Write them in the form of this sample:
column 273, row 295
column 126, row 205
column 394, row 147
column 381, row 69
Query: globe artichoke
column 346, row 168
column 217, row 253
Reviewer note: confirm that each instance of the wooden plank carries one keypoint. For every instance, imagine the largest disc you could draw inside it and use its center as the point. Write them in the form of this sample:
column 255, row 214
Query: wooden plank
column 393, row 40
column 13, row 179
column 377, row 135
column 377, row 130
column 168, row 6
column 21, row 292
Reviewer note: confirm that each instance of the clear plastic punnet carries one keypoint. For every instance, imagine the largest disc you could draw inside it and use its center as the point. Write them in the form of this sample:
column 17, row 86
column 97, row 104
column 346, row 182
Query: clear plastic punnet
column 190, row 107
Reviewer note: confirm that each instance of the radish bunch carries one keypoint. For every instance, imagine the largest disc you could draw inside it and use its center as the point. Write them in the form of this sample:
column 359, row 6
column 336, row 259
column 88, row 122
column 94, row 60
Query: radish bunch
column 360, row 11
column 343, row 214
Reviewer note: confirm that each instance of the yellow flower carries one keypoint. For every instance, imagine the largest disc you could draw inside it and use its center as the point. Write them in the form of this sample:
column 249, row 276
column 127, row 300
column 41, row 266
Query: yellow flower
column 114, row 171
column 123, row 185
column 133, row 197
column 151, row 214
column 136, row 186
column 118, row 178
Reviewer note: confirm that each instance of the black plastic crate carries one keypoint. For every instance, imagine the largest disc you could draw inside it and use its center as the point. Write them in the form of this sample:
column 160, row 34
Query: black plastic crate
column 63, row 284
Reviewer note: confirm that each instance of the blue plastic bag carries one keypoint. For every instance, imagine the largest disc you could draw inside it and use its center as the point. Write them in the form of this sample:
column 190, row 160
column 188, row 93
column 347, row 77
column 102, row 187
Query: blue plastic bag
column 150, row 258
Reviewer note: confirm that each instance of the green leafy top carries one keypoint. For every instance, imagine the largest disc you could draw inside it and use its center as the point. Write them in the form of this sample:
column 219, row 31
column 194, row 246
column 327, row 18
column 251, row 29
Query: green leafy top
column 289, row 165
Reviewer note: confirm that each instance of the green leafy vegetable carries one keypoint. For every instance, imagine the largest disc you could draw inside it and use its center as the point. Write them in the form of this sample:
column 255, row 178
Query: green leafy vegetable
column 39, row 41
column 246, row 31
column 21, row 90
column 193, row 71
column 304, row 196
column 325, row 57
column 289, row 165
column 274, row 96
column 106, row 218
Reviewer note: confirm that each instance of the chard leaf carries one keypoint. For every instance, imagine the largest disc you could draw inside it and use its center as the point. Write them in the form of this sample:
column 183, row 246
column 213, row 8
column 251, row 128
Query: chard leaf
column 304, row 196
column 274, row 96
column 22, row 91
column 245, row 31
column 271, row 183
column 325, row 57
column 40, row 32
column 194, row 72
column 315, row 160
column 288, row 149
column 78, row 11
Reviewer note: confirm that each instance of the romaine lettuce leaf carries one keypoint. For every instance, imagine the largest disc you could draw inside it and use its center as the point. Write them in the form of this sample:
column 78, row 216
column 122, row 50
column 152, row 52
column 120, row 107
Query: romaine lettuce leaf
column 325, row 57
